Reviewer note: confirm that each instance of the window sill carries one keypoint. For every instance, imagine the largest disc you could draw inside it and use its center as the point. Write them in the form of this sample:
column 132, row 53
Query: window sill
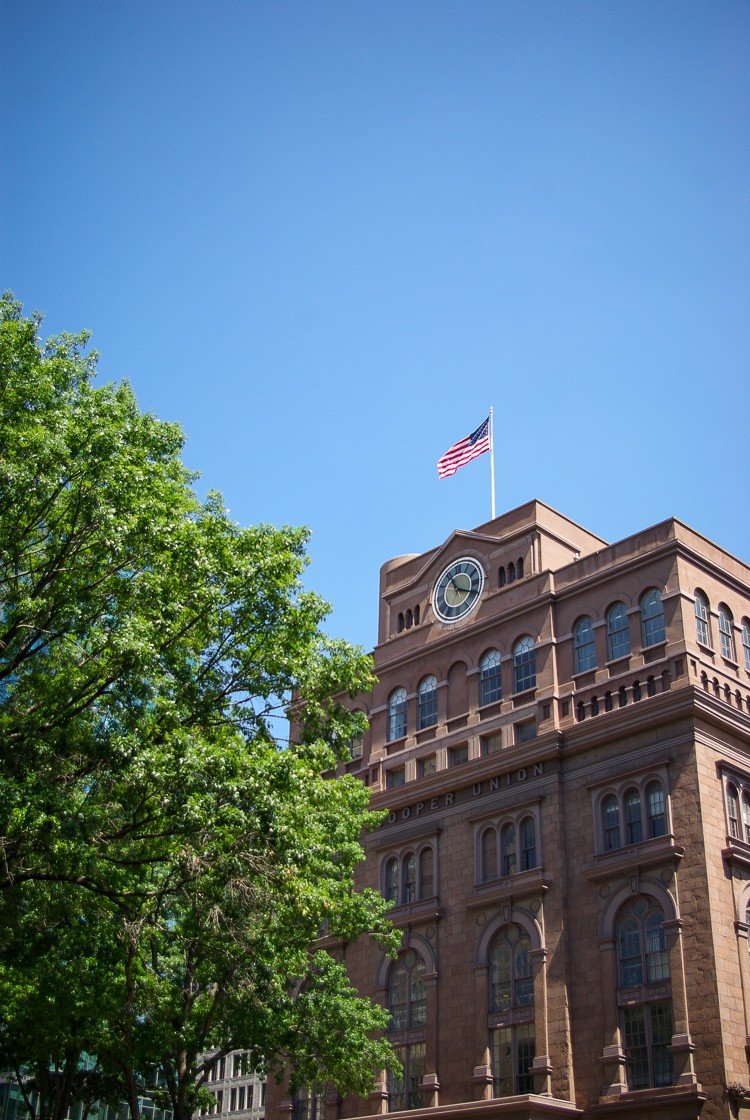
column 737, row 852
column 644, row 993
column 521, row 884
column 486, row 710
column 407, row 913
column 632, row 1102
column 646, row 854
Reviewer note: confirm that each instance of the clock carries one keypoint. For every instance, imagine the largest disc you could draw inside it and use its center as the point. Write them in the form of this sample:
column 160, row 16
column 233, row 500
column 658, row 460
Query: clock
column 458, row 589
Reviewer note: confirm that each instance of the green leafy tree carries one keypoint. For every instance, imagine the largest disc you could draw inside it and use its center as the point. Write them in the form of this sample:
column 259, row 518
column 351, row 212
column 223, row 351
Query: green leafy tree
column 171, row 872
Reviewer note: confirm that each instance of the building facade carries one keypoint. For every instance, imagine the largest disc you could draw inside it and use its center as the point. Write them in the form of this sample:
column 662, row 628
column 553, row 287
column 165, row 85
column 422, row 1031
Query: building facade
column 561, row 737
column 238, row 1091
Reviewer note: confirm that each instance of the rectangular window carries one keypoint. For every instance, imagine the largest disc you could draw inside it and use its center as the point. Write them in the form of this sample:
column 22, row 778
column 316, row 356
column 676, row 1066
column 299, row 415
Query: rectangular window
column 525, row 732
column 657, row 817
column 647, row 1034
column 492, row 744
column 458, row 755
column 356, row 746
column 426, row 766
column 241, row 1098
column 404, row 1090
column 395, row 778
column 233, row 1100
column 512, row 1057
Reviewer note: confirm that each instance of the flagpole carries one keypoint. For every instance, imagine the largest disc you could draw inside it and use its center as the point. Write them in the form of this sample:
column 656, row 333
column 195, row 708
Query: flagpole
column 492, row 461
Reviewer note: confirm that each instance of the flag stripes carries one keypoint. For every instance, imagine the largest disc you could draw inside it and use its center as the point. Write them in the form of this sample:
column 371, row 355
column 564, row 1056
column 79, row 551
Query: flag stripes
column 465, row 450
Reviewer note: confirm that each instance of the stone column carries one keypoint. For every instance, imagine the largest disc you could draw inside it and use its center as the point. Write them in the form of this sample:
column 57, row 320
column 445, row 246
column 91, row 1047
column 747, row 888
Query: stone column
column 613, row 1056
column 482, row 1076
column 682, row 1047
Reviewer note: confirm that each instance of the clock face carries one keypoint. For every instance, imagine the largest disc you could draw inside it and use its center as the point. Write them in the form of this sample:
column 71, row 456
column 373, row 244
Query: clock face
column 458, row 589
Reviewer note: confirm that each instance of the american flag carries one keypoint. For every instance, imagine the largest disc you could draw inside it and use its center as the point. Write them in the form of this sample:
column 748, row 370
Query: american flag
column 465, row 450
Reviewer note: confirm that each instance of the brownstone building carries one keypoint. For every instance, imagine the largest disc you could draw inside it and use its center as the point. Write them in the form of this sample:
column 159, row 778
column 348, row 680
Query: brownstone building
column 561, row 735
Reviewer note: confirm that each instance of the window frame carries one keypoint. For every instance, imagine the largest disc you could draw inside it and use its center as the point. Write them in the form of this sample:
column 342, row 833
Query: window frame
column 726, row 633
column 410, row 968
column 618, row 632
column 621, row 823
column 397, row 714
column 524, row 664
column 427, row 702
column 490, row 678
column 584, row 645
column 525, row 846
column 407, row 875
column 511, row 1004
column 653, row 626
column 644, row 988
column 702, row 619
column 405, row 1089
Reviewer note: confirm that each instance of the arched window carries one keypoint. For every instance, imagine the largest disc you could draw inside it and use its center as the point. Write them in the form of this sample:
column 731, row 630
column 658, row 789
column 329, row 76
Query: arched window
column 746, row 642
column 511, row 572
column 584, row 645
column 519, row 567
column 726, row 632
column 407, row 1003
column 524, row 664
column 642, row 945
column 702, row 619
column 652, row 618
column 746, row 815
column 397, row 714
column 390, row 886
column 407, row 1000
column 400, row 621
column 511, row 979
column 618, row 632
column 489, row 855
column 501, row 576
column 409, row 892
column 643, row 961
column 490, row 680
column 733, row 811
column 611, row 822
column 527, row 832
column 656, row 810
column 633, row 822
column 426, row 873
column 508, row 849
column 427, row 702
column 512, row 1046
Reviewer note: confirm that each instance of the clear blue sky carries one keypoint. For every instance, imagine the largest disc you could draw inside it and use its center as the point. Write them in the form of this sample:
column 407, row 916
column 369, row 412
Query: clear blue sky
column 325, row 235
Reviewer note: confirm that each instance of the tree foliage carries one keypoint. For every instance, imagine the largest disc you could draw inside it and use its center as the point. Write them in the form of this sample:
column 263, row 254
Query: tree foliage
column 168, row 866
